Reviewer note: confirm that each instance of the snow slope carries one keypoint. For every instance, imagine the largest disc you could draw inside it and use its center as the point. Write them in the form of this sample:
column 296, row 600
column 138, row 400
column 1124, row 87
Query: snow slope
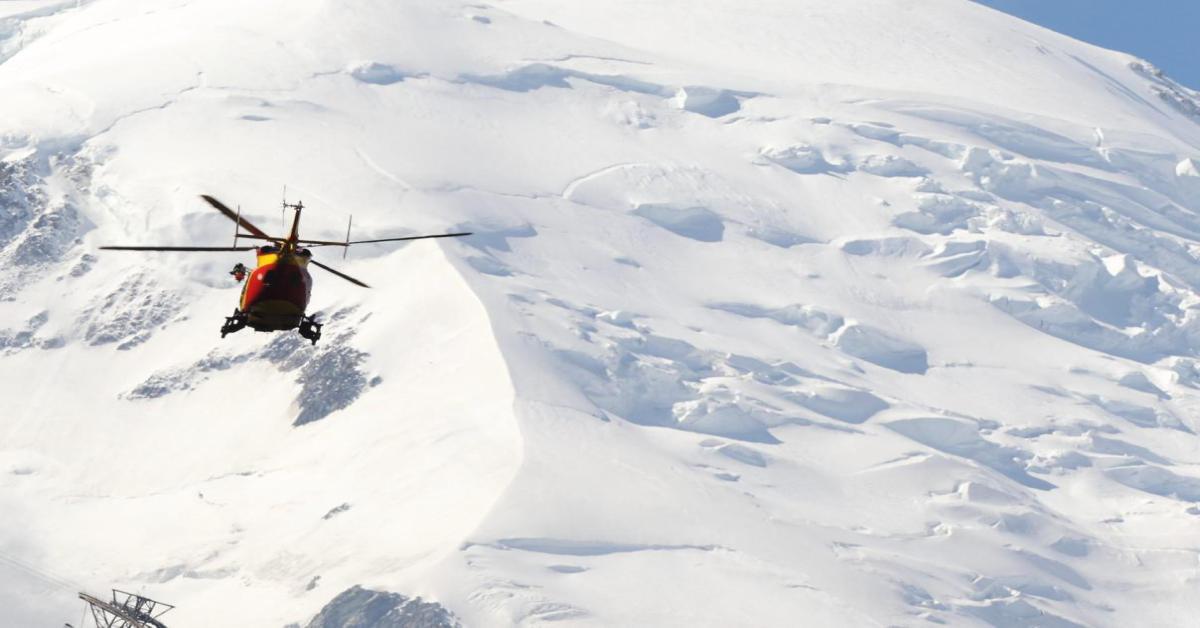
column 870, row 313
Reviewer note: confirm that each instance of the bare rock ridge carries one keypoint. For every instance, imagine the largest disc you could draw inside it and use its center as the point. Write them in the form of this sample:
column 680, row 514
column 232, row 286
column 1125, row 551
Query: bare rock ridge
column 357, row 607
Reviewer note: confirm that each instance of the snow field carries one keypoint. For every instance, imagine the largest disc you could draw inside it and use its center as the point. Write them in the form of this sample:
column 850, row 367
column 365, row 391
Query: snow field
column 867, row 313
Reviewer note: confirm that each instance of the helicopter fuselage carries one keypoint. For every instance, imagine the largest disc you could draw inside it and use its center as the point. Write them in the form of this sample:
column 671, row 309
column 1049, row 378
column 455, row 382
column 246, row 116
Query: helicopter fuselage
column 275, row 295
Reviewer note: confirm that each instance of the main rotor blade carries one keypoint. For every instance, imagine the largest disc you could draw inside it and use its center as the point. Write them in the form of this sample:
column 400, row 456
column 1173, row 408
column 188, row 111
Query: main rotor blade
column 230, row 214
column 321, row 243
column 420, row 237
column 339, row 274
column 179, row 248
column 247, row 236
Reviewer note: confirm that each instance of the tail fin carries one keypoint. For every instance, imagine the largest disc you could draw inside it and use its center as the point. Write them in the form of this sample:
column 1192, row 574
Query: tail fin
column 295, row 234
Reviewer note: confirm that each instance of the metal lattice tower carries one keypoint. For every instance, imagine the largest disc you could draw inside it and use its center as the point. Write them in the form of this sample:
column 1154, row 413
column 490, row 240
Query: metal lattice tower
column 126, row 610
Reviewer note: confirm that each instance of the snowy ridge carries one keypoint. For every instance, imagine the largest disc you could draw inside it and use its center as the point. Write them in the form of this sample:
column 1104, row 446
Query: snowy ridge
column 872, row 313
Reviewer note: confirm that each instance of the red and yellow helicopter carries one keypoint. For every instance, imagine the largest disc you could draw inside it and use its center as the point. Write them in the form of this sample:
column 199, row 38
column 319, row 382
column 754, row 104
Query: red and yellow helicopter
column 276, row 293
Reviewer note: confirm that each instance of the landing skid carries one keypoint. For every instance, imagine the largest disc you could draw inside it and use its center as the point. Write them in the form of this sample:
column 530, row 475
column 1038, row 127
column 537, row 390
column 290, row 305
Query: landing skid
column 234, row 323
column 310, row 329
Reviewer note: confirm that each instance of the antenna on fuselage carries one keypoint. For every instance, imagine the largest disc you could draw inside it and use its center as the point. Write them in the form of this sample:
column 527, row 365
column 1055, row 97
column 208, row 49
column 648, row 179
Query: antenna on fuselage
column 283, row 210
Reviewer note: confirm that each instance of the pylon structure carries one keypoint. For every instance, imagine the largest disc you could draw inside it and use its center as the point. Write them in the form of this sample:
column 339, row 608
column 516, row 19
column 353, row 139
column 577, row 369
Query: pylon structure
column 126, row 610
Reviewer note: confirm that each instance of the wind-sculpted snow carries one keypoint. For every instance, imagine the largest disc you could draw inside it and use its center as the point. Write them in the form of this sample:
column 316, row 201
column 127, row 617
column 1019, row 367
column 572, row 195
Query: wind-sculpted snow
column 541, row 75
column 890, row 166
column 655, row 380
column 861, row 341
column 377, row 73
column 960, row 438
column 712, row 102
column 801, row 159
column 696, row 223
column 1106, row 304
column 973, row 214
column 1158, row 481
column 940, row 214
column 808, row 317
column 1024, row 139
column 844, row 404
column 1127, row 311
column 882, row 349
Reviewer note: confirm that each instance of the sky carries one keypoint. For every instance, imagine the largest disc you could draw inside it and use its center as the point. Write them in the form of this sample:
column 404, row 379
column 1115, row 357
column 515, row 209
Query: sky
column 1163, row 32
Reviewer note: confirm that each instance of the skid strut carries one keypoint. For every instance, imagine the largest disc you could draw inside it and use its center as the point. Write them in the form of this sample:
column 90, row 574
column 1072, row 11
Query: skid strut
column 233, row 323
column 310, row 329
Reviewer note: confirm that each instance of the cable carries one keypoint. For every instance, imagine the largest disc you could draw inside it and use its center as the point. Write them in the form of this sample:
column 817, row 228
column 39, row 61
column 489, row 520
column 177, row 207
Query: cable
column 40, row 574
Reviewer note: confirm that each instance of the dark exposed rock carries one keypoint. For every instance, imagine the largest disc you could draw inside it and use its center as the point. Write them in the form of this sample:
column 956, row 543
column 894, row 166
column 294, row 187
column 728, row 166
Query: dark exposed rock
column 333, row 512
column 166, row 382
column 1184, row 100
column 20, row 197
column 331, row 380
column 129, row 314
column 357, row 607
column 17, row 339
column 53, row 232
column 330, row 374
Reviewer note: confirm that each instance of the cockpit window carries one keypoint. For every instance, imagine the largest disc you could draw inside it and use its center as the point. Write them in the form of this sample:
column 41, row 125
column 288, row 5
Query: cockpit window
column 268, row 249
column 304, row 253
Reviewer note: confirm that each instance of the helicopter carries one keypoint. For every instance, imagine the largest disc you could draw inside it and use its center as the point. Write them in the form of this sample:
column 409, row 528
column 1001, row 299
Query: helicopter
column 275, row 293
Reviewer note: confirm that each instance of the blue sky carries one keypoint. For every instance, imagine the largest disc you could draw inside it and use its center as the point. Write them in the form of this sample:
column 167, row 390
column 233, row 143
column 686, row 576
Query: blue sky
column 1164, row 32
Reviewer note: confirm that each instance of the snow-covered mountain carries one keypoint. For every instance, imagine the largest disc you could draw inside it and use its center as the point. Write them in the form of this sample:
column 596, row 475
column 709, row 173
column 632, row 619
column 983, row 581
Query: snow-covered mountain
column 778, row 313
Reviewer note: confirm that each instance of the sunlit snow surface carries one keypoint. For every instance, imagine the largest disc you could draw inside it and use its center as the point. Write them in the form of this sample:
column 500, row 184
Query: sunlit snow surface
column 777, row 313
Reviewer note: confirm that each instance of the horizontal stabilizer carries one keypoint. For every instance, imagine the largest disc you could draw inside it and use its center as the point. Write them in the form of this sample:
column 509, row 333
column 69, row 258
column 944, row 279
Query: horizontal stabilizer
column 178, row 248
